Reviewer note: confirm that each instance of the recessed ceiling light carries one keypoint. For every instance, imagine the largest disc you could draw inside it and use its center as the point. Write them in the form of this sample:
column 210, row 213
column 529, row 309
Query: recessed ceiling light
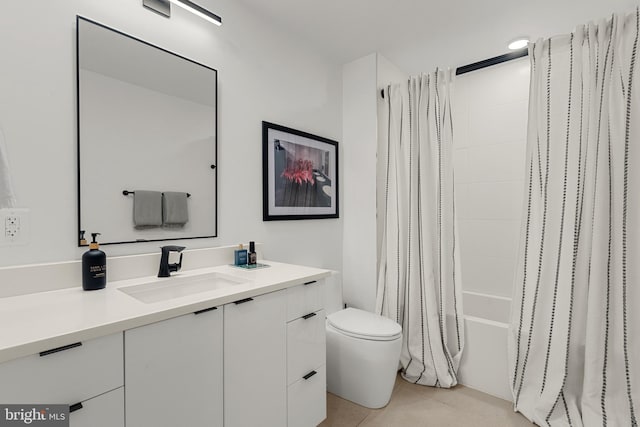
column 519, row 43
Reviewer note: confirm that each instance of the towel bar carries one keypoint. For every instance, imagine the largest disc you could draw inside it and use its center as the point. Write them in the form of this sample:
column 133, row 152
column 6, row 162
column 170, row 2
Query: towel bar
column 127, row 192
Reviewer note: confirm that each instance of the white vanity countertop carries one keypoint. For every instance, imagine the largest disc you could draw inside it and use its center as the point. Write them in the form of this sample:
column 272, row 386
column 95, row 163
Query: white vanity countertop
column 37, row 322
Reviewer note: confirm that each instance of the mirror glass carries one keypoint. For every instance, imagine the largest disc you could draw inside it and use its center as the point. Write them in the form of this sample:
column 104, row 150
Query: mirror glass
column 147, row 121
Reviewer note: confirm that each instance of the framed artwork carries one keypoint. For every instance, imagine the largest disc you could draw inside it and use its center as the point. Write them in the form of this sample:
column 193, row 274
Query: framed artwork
column 299, row 174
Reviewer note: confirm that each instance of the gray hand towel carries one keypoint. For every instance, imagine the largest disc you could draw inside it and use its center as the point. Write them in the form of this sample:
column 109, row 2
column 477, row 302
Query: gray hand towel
column 147, row 209
column 175, row 212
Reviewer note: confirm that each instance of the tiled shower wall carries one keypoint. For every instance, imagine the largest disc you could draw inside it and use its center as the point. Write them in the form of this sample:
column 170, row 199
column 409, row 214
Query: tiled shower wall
column 490, row 123
column 490, row 129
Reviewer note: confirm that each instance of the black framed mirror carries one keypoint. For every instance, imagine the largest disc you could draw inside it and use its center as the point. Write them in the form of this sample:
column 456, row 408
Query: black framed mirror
column 147, row 122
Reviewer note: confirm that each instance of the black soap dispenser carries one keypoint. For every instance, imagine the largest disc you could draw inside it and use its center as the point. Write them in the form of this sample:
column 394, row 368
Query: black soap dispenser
column 94, row 267
column 252, row 258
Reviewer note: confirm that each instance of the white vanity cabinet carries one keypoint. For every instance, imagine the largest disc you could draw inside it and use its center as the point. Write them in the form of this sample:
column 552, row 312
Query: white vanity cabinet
column 255, row 361
column 173, row 372
column 85, row 375
column 306, row 355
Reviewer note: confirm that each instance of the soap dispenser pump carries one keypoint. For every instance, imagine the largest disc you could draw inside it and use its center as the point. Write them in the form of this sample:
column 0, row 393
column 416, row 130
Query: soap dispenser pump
column 94, row 266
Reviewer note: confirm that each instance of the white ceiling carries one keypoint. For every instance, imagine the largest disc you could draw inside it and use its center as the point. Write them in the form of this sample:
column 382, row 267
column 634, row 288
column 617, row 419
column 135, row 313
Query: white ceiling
column 418, row 35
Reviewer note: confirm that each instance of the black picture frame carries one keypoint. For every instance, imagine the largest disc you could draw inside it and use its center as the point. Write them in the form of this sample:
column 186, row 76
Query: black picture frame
column 299, row 175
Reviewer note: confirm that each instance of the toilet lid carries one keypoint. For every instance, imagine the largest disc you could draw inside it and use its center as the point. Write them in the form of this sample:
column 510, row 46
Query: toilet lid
column 365, row 325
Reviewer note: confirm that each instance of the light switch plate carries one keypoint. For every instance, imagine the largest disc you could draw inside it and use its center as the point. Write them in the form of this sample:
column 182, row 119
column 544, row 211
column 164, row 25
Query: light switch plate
column 14, row 227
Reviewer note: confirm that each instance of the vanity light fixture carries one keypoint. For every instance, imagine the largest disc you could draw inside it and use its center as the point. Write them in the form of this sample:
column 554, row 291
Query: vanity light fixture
column 519, row 43
column 163, row 7
column 198, row 10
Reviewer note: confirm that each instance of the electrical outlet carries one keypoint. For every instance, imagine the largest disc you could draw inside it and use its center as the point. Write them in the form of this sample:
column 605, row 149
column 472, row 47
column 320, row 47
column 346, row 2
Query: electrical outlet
column 14, row 225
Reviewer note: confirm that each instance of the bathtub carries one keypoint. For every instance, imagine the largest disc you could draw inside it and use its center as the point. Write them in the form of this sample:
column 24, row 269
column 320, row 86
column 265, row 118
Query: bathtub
column 484, row 359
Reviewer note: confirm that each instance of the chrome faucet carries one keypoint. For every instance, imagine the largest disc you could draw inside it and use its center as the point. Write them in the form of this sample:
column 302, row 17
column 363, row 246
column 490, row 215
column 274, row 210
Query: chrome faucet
column 165, row 267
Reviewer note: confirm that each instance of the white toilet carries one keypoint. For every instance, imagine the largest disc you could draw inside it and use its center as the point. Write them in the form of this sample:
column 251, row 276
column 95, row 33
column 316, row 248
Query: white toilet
column 363, row 351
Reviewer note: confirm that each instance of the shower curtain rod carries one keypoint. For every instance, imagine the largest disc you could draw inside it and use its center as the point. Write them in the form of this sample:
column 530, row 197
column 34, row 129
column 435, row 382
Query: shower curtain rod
column 488, row 62
column 492, row 61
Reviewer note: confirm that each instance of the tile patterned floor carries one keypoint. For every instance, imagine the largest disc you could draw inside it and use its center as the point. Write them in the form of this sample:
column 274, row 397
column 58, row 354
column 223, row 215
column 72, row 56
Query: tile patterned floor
column 418, row 406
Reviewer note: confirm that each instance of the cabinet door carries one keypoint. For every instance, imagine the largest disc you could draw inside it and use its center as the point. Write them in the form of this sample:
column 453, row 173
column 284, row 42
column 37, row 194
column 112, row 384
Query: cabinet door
column 106, row 410
column 173, row 372
column 255, row 362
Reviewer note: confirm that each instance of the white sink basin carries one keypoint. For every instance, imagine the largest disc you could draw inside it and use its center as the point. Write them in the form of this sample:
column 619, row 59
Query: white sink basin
column 176, row 287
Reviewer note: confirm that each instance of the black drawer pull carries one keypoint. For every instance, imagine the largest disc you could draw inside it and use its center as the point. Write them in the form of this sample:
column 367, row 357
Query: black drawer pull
column 309, row 375
column 308, row 316
column 75, row 407
column 311, row 282
column 59, row 349
column 242, row 301
column 205, row 310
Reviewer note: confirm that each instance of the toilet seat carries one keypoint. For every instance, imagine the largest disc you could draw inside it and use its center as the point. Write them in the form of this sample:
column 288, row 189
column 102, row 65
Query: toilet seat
column 364, row 325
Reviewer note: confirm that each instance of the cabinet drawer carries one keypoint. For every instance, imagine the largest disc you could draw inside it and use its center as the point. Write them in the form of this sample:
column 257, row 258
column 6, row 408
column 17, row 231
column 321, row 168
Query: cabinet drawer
column 306, row 338
column 106, row 410
column 303, row 299
column 69, row 376
column 307, row 400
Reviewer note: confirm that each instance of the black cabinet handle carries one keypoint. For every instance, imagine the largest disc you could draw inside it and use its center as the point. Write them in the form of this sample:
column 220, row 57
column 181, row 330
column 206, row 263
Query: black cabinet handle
column 309, row 375
column 205, row 310
column 308, row 316
column 75, row 407
column 311, row 282
column 242, row 301
column 59, row 349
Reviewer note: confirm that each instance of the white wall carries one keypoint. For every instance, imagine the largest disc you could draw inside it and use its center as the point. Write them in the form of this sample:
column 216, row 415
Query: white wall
column 388, row 73
column 264, row 74
column 490, row 120
column 362, row 81
column 359, row 183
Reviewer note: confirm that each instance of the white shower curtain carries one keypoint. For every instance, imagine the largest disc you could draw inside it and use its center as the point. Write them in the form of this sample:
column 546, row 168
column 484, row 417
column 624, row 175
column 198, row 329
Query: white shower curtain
column 419, row 279
column 574, row 344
